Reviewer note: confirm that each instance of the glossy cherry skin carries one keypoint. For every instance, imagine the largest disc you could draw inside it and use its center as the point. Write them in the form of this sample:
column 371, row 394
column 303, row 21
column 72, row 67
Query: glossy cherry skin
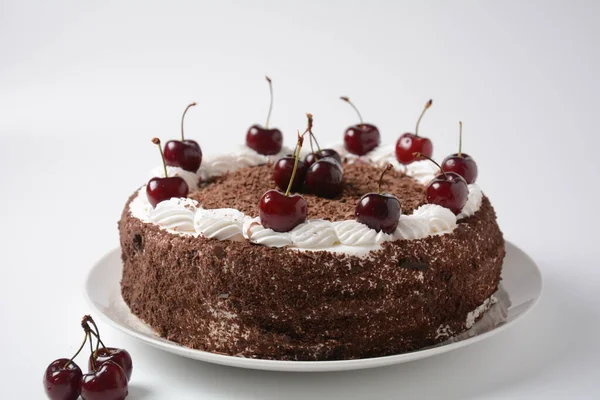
column 280, row 212
column 108, row 382
column 324, row 178
column 448, row 190
column 379, row 211
column 282, row 172
column 186, row 155
column 62, row 383
column 264, row 141
column 311, row 158
column 361, row 139
column 160, row 189
column 408, row 144
column 118, row 356
column 464, row 165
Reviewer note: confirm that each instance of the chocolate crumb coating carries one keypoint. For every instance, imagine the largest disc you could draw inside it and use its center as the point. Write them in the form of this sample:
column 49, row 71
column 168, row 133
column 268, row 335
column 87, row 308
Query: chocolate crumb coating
column 243, row 189
column 248, row 300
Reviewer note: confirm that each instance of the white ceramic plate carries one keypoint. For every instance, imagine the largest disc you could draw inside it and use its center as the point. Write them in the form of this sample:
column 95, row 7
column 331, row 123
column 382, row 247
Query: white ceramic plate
column 520, row 290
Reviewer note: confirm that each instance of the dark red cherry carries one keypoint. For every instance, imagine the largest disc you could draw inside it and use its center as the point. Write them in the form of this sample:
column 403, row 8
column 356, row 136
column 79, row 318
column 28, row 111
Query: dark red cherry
column 311, row 158
column 118, row 356
column 107, row 382
column 62, row 380
column 410, row 143
column 160, row 189
column 379, row 211
column 263, row 140
column 361, row 138
column 280, row 212
column 184, row 153
column 461, row 163
column 282, row 173
column 324, row 178
column 449, row 190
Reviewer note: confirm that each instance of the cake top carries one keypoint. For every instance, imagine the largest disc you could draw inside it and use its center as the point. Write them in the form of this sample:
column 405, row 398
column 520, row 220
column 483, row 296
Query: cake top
column 243, row 188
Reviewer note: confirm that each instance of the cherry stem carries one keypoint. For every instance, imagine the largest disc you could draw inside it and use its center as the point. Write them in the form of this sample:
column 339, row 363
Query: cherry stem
column 312, row 136
column 309, row 117
column 296, row 158
column 88, row 333
column 347, row 100
column 386, row 169
column 183, row 118
column 460, row 138
column 156, row 141
column 87, row 320
column 271, row 101
column 78, row 351
column 418, row 155
column 427, row 105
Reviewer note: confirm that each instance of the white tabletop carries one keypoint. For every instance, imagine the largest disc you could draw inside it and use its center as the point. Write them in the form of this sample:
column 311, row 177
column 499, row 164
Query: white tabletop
column 83, row 88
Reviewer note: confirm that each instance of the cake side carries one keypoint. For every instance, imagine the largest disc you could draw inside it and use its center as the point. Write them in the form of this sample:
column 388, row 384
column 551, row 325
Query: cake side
column 254, row 301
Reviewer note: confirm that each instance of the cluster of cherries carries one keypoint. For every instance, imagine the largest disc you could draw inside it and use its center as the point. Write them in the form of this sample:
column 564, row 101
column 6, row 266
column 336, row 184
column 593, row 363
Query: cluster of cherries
column 109, row 371
column 321, row 173
column 449, row 188
column 185, row 154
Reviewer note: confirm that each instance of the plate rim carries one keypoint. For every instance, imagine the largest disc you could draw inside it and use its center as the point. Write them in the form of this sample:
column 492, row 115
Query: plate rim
column 304, row 366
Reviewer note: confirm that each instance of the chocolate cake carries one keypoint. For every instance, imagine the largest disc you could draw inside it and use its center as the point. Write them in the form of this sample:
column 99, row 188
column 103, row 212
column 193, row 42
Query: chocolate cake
column 204, row 273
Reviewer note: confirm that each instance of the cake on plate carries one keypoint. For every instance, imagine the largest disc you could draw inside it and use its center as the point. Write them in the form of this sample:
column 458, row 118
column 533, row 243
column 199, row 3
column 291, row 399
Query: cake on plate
column 365, row 251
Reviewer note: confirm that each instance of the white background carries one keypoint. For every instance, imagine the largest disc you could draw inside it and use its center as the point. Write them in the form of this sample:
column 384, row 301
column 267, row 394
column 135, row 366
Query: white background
column 84, row 86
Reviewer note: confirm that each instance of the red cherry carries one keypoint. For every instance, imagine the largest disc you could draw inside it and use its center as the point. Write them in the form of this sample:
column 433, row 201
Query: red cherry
column 282, row 173
column 282, row 212
column 262, row 139
column 160, row 189
column 183, row 153
column 311, row 158
column 448, row 189
column 379, row 211
column 408, row 144
column 361, row 138
column 107, row 382
column 461, row 163
column 62, row 380
column 324, row 178
column 119, row 356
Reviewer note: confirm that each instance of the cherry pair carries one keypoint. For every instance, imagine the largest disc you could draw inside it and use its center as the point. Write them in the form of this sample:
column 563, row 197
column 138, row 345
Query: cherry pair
column 320, row 173
column 282, row 212
column 447, row 189
column 109, row 371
